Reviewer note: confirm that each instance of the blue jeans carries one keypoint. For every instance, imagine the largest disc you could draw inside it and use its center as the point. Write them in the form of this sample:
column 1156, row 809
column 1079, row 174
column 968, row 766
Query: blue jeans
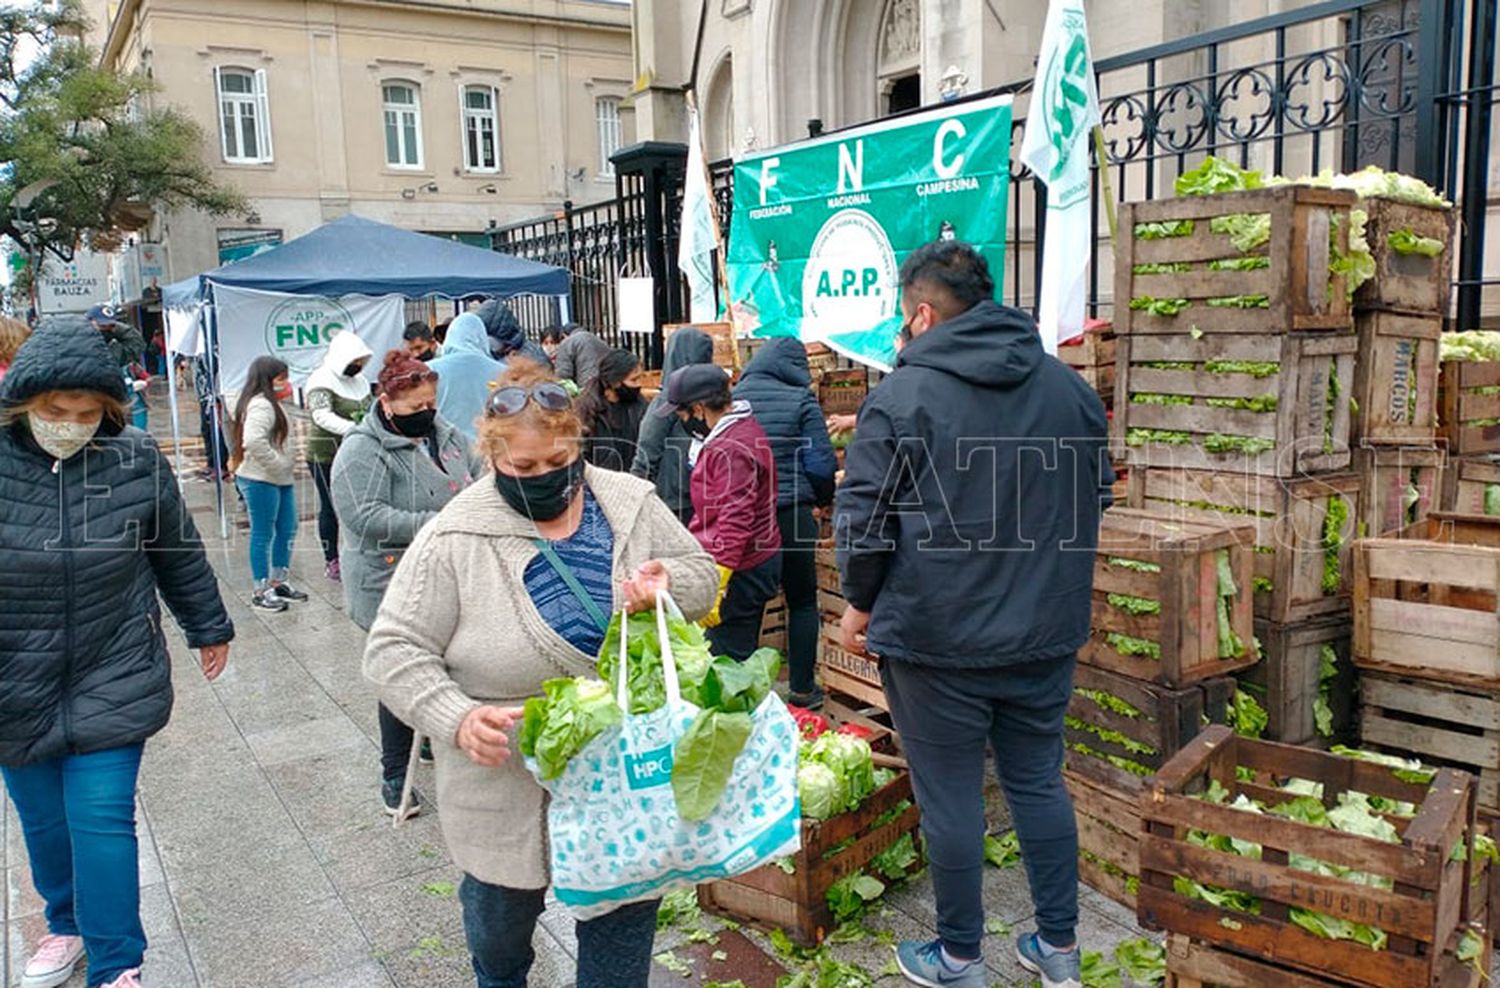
column 273, row 523
column 614, row 950
column 946, row 718
column 78, row 816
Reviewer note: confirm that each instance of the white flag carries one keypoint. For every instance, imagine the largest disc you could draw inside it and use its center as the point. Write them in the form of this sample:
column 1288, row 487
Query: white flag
column 699, row 236
column 1059, row 125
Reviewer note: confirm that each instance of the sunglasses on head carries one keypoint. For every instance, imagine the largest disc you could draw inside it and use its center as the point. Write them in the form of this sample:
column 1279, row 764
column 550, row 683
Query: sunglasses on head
column 409, row 379
column 509, row 401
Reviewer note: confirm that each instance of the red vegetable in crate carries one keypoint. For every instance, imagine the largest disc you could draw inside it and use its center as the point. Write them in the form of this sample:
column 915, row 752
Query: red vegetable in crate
column 856, row 730
column 810, row 724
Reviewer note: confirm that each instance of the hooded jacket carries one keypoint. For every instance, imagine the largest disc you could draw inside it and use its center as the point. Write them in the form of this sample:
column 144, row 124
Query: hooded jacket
column 385, row 487
column 661, row 454
column 464, row 372
column 507, row 338
column 335, row 400
column 734, row 493
column 969, row 514
column 778, row 386
column 577, row 357
column 88, row 543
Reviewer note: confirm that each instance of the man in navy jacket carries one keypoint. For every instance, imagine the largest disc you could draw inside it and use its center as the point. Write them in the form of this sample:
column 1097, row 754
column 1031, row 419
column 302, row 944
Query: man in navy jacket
column 966, row 529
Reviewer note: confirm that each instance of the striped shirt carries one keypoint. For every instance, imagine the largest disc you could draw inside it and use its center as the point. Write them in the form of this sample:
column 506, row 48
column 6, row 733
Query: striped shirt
column 589, row 552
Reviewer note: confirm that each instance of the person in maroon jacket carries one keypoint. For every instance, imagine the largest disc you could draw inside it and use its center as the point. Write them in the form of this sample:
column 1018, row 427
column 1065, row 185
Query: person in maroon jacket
column 734, row 500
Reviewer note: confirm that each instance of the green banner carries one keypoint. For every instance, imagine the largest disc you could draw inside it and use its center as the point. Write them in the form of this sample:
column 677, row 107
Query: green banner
column 820, row 228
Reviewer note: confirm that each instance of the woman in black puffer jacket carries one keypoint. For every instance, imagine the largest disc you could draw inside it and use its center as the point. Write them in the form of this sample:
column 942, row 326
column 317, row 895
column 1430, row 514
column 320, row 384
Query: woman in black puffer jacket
column 93, row 527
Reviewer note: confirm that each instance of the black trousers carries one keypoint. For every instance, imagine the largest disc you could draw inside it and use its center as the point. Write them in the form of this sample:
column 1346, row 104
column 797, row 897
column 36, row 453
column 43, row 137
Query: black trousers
column 395, row 745
column 744, row 608
column 799, row 581
column 328, row 519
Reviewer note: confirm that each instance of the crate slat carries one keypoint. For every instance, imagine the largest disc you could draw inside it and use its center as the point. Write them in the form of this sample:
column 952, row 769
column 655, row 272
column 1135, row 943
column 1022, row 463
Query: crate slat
column 1461, row 406
column 1396, row 377
column 1464, row 484
column 1388, row 477
column 1436, row 723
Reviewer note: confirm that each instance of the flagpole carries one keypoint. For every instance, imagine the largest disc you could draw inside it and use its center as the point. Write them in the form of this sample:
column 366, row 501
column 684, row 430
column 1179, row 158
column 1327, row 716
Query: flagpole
column 1106, row 186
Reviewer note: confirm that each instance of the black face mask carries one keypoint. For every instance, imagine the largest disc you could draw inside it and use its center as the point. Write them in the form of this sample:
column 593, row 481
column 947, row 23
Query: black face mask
column 426, row 355
column 626, row 393
column 544, row 496
column 352, row 370
column 413, row 426
column 697, row 427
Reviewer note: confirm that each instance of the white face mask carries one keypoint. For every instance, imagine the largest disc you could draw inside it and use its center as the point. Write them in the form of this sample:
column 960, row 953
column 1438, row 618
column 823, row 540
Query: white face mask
column 61, row 439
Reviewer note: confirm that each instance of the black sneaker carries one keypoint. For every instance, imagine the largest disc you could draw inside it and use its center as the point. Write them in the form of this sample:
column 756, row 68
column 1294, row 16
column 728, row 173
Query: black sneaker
column 807, row 701
column 288, row 592
column 425, row 755
column 390, row 795
column 267, row 600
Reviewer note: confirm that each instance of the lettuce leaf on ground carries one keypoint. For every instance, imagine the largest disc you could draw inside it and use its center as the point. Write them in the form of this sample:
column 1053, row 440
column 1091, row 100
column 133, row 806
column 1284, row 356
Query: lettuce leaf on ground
column 1144, row 960
column 1003, row 851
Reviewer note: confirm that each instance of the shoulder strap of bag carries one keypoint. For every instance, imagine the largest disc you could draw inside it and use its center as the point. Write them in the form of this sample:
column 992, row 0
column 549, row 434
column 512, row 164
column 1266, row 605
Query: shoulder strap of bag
column 566, row 572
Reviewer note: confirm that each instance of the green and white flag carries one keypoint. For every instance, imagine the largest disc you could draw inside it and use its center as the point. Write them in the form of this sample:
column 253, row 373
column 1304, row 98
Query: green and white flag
column 1064, row 111
column 700, row 227
column 820, row 228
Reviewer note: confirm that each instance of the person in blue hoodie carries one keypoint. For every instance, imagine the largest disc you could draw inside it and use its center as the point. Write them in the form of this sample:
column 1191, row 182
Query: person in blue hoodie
column 966, row 528
column 465, row 371
column 777, row 384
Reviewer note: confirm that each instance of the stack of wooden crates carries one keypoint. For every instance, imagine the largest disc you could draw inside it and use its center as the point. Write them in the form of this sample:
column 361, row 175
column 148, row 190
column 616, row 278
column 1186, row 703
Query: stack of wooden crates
column 1234, row 411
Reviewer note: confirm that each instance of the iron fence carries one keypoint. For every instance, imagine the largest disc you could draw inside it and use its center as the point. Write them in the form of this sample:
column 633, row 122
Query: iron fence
column 1408, row 85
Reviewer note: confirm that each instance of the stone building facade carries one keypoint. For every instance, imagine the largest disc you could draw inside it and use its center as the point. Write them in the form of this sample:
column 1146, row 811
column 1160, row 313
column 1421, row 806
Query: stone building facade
column 440, row 115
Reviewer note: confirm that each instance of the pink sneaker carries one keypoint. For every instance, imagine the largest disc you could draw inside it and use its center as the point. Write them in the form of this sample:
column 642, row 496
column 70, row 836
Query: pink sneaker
column 130, row 979
column 53, row 962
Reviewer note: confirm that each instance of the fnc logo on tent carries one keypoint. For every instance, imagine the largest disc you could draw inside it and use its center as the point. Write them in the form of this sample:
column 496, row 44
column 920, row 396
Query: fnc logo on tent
column 850, row 281
column 298, row 331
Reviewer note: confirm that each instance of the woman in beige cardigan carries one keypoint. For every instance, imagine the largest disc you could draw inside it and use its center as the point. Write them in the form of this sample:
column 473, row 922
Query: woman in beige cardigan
column 478, row 614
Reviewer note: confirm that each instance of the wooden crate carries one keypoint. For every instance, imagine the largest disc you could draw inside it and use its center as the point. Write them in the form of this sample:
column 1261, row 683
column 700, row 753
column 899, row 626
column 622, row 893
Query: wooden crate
column 1428, row 897
column 773, row 625
column 1307, row 432
column 1429, row 610
column 828, row 570
column 1194, row 964
column 1469, row 406
column 1398, row 487
column 1289, row 518
column 852, row 675
column 841, row 392
column 1109, row 823
column 726, row 352
column 1288, row 679
column 1407, row 282
column 1185, row 630
column 1458, row 529
column 1165, row 720
column 1465, row 482
column 769, row 898
column 1437, row 723
column 1093, row 357
column 1303, row 291
column 1396, row 378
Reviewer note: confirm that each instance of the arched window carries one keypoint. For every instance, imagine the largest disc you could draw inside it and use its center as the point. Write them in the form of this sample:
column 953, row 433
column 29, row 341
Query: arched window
column 244, row 115
column 481, row 116
column 403, row 124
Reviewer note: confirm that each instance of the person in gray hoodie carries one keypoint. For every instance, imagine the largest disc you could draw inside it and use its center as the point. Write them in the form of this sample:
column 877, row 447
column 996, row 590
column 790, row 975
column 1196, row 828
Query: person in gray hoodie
column 392, row 474
column 661, row 453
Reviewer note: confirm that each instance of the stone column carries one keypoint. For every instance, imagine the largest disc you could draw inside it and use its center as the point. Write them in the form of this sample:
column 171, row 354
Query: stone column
column 663, row 58
column 328, row 111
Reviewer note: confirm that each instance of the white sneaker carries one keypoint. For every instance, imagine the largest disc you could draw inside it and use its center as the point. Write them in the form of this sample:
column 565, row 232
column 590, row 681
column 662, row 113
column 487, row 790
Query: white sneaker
column 53, row 961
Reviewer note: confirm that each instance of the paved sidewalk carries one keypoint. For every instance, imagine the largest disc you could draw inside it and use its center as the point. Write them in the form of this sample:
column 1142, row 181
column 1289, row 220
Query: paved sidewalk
column 266, row 861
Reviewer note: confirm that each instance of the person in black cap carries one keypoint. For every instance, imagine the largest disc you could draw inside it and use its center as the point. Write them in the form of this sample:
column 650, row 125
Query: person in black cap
column 128, row 348
column 734, row 501
column 612, row 408
column 85, row 678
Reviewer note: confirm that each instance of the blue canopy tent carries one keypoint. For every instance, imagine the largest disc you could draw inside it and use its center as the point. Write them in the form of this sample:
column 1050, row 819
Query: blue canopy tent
column 357, row 256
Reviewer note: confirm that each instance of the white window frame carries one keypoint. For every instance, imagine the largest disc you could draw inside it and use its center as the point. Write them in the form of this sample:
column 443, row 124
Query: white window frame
column 609, row 130
column 399, row 110
column 468, row 116
column 257, row 103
